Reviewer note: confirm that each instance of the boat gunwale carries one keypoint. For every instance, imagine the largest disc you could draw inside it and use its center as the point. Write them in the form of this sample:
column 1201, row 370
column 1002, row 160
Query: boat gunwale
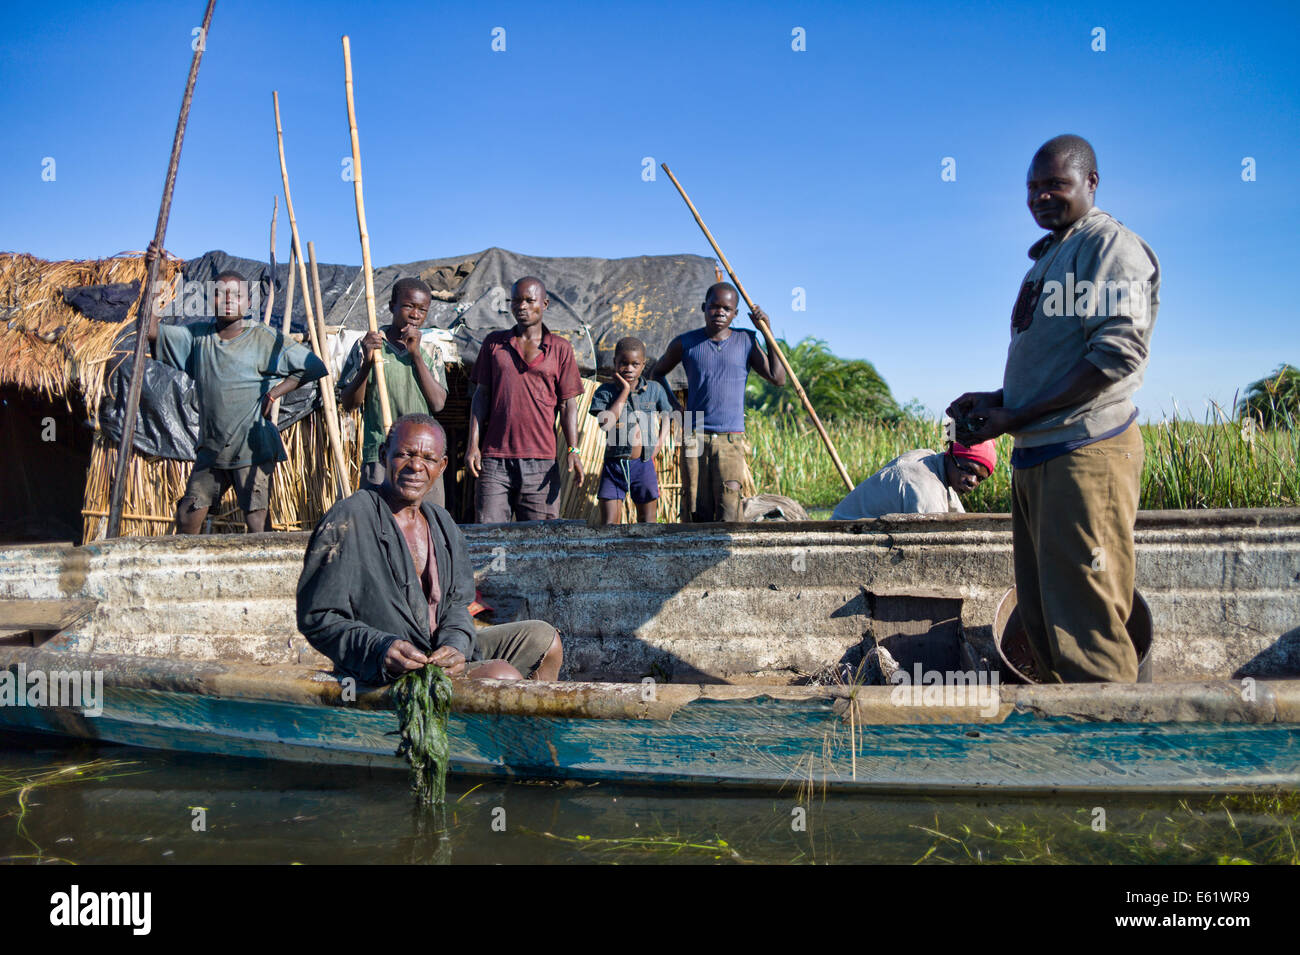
column 1226, row 701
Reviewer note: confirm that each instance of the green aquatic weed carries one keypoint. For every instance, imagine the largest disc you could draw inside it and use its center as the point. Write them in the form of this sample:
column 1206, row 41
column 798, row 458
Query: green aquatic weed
column 423, row 702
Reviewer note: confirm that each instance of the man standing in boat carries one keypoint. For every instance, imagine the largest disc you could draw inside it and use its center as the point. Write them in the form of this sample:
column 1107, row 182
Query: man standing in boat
column 524, row 375
column 239, row 369
column 718, row 360
column 386, row 581
column 1080, row 335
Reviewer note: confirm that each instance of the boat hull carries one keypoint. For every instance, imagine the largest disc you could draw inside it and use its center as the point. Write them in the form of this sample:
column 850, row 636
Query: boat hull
column 797, row 746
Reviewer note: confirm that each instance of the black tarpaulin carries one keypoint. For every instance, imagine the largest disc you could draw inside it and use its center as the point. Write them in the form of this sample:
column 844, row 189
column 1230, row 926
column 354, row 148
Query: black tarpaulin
column 594, row 302
column 167, row 424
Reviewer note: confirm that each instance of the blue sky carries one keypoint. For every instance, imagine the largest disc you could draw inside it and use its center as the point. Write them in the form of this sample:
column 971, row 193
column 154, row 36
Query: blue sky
column 817, row 169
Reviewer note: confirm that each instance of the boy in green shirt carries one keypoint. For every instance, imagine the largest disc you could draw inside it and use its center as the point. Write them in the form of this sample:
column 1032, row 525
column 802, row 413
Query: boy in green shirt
column 239, row 369
column 413, row 387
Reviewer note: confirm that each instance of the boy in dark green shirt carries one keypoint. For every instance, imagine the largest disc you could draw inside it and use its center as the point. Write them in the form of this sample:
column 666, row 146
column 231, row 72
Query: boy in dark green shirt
column 413, row 387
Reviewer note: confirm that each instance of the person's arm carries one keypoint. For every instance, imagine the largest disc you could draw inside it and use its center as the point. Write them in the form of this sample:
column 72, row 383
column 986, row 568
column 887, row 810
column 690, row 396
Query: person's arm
column 569, row 422
column 324, row 604
column 478, row 415
column 670, row 359
column 1083, row 382
column 150, row 255
column 767, row 365
column 620, row 401
column 356, row 371
column 569, row 388
column 435, row 395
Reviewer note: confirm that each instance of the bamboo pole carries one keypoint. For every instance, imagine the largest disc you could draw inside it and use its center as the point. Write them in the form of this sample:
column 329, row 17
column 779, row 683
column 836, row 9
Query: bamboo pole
column 326, row 384
column 385, row 411
column 285, row 326
column 322, row 336
column 144, row 311
column 270, row 292
column 320, row 305
column 767, row 332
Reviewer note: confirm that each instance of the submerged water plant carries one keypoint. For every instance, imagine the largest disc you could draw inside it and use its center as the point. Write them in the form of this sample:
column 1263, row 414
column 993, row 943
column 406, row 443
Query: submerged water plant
column 423, row 701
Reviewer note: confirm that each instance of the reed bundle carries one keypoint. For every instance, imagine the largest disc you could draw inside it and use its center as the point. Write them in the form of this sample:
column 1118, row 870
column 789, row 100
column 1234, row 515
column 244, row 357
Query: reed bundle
column 302, row 488
column 48, row 347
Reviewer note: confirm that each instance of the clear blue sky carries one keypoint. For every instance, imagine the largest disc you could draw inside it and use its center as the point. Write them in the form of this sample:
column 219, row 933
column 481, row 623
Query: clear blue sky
column 817, row 169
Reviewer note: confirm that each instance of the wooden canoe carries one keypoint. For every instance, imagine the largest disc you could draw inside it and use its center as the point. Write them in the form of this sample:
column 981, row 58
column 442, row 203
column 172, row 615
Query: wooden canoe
column 699, row 655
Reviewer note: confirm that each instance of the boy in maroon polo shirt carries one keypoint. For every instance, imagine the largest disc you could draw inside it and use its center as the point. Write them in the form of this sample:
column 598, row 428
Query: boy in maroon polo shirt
column 524, row 376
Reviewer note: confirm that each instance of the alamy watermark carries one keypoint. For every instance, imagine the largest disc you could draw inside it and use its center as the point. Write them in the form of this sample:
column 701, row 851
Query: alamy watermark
column 974, row 688
column 82, row 689
column 1087, row 299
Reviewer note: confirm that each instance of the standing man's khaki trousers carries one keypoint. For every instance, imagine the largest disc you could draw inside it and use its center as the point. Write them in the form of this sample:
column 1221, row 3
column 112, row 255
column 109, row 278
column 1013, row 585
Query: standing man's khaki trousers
column 712, row 479
column 1072, row 531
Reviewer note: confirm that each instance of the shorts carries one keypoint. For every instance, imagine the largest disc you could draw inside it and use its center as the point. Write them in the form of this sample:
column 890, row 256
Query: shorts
column 373, row 474
column 521, row 644
column 619, row 475
column 206, row 486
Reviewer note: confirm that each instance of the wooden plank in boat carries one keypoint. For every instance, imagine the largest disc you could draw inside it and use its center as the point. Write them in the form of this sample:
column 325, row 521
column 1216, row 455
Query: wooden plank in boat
column 50, row 615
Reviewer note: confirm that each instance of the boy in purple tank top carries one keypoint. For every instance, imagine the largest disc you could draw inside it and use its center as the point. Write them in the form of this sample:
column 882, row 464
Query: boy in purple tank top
column 718, row 360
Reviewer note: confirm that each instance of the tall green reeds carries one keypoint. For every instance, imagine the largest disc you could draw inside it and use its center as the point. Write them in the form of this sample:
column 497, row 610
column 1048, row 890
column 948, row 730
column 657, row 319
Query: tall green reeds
column 1220, row 463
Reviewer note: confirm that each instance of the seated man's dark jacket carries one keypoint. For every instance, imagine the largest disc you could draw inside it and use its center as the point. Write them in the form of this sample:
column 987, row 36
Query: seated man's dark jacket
column 359, row 590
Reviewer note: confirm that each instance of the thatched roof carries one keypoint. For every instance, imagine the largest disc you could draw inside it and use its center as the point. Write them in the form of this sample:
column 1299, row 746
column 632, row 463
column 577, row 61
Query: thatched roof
column 48, row 347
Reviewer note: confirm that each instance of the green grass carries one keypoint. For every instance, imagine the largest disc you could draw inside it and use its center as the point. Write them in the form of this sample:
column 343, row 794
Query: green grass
column 1188, row 464
column 1249, row 829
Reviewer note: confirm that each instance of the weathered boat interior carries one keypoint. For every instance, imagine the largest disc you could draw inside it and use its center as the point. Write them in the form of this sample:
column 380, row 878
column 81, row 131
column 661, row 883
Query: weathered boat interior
column 758, row 604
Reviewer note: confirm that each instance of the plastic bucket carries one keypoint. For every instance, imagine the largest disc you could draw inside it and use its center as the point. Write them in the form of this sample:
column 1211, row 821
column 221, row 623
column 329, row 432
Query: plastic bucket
column 1013, row 646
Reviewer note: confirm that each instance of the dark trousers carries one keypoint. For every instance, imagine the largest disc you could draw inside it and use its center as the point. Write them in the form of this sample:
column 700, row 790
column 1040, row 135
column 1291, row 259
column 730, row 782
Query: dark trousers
column 530, row 487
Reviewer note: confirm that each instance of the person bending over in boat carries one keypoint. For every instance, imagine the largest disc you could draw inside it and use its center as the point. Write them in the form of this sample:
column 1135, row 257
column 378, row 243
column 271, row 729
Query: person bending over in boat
column 239, row 369
column 920, row 482
column 718, row 360
column 386, row 581
column 1080, row 339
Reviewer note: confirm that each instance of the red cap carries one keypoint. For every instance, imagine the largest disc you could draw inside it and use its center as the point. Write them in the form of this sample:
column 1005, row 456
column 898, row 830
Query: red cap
column 985, row 453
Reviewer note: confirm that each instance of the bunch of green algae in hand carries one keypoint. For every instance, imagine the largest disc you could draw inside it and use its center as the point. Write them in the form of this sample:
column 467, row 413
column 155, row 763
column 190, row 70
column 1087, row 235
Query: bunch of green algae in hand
column 423, row 702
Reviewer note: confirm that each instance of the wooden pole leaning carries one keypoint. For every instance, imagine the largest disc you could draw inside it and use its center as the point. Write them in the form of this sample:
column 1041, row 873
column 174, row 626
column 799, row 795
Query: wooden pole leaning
column 321, row 335
column 270, row 292
column 326, row 384
column 385, row 411
column 285, row 325
column 766, row 329
column 144, row 311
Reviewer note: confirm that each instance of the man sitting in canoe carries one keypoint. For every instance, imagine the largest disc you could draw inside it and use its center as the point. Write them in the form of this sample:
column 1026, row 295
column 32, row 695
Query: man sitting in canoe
column 920, row 482
column 386, row 582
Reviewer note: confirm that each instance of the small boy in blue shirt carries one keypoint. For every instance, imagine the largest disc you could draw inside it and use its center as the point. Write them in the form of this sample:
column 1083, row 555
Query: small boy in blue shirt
column 628, row 409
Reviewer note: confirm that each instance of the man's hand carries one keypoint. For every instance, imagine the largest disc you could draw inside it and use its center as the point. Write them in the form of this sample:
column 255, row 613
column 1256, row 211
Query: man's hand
column 979, row 416
column 403, row 657
column 370, row 342
column 575, row 467
column 758, row 316
column 626, row 385
column 450, row 659
column 411, row 338
column 992, row 423
column 474, row 461
column 974, row 403
column 268, row 403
